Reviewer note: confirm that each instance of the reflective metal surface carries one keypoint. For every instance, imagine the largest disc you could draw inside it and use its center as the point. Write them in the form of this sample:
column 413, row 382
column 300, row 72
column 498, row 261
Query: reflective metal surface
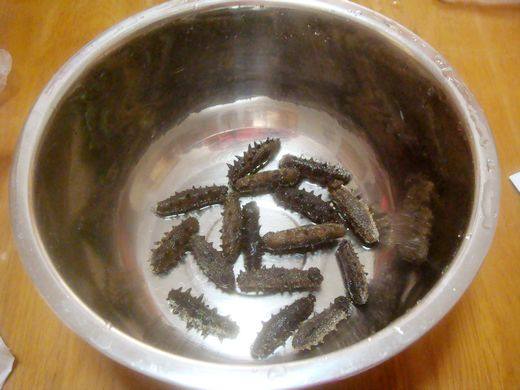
column 163, row 100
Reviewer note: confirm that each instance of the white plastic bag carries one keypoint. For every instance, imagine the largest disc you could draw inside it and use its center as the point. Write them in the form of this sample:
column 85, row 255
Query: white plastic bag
column 5, row 67
column 6, row 362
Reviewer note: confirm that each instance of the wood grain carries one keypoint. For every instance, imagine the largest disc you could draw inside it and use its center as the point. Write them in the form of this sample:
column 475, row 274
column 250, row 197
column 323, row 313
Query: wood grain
column 476, row 346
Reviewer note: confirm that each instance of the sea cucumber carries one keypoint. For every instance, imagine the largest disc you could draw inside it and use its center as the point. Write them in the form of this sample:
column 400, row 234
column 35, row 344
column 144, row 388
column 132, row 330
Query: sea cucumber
column 281, row 325
column 212, row 263
column 254, row 158
column 303, row 238
column 231, row 227
column 200, row 316
column 353, row 273
column 413, row 225
column 173, row 246
column 356, row 212
column 267, row 181
column 311, row 332
column 278, row 280
column 316, row 171
column 307, row 204
column 191, row 199
column 251, row 240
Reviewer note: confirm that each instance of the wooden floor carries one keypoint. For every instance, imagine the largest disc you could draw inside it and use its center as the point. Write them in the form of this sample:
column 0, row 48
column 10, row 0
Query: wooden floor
column 477, row 346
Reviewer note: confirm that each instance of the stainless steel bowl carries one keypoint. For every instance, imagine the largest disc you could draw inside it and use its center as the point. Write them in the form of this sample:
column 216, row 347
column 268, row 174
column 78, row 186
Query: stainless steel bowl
column 162, row 100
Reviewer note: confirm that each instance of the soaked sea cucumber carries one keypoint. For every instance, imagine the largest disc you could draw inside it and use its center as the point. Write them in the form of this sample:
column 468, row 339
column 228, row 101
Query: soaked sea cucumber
column 200, row 316
column 241, row 231
column 413, row 225
column 254, row 158
column 251, row 240
column 307, row 204
column 311, row 332
column 316, row 171
column 191, row 199
column 212, row 263
column 231, row 227
column 173, row 246
column 356, row 212
column 267, row 181
column 278, row 280
column 303, row 238
column 280, row 326
column 353, row 273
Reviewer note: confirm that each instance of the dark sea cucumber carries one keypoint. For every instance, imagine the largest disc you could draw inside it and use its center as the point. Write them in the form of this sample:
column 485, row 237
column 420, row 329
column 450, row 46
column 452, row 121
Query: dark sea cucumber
column 316, row 171
column 173, row 246
column 191, row 199
column 413, row 224
column 356, row 212
column 280, row 326
column 353, row 273
column 212, row 263
column 311, row 332
column 278, row 280
column 307, row 204
column 303, row 238
column 231, row 227
column 254, row 158
column 420, row 191
column 267, row 181
column 251, row 240
column 200, row 316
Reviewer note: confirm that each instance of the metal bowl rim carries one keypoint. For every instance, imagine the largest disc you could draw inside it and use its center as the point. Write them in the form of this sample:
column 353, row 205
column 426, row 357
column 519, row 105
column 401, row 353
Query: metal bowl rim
column 194, row 373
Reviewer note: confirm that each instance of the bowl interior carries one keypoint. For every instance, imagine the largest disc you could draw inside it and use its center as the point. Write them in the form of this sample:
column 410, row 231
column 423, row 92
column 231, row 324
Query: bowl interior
column 168, row 108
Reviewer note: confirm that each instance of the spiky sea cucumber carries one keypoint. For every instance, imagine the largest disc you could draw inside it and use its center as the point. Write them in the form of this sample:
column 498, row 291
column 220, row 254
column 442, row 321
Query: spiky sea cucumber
column 191, row 199
column 306, row 203
column 413, row 224
column 267, row 181
column 254, row 158
column 173, row 246
column 356, row 212
column 281, row 325
column 303, row 238
column 352, row 272
column 312, row 332
column 231, row 227
column 212, row 263
column 316, row 171
column 200, row 316
column 278, row 280
column 251, row 240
